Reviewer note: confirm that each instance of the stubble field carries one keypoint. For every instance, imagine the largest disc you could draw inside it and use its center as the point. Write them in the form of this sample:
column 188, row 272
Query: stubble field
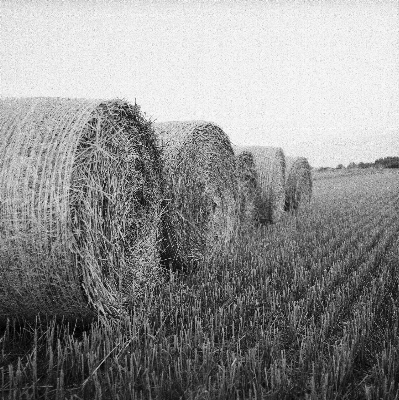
column 305, row 308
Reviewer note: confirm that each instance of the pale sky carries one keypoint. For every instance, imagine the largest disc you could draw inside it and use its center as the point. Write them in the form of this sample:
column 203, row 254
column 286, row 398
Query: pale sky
column 318, row 78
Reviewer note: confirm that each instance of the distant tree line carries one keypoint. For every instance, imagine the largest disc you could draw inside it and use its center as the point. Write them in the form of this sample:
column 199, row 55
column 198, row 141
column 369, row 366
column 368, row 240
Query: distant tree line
column 386, row 162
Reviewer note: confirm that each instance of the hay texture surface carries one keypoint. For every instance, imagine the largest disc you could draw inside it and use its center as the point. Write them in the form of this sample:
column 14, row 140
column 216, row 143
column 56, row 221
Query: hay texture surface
column 249, row 194
column 270, row 170
column 201, row 189
column 298, row 183
column 79, row 204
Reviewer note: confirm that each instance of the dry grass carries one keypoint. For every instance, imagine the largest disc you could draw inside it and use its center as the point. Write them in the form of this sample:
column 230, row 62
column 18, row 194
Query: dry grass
column 201, row 189
column 298, row 183
column 79, row 206
column 304, row 309
column 270, row 169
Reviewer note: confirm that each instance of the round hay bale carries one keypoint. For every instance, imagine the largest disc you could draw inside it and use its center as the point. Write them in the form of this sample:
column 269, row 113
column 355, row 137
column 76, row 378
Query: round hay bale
column 270, row 169
column 201, row 190
column 79, row 206
column 298, row 188
column 248, row 189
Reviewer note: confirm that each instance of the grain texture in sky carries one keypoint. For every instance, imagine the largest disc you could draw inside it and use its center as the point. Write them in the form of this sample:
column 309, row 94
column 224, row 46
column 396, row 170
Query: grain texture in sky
column 319, row 79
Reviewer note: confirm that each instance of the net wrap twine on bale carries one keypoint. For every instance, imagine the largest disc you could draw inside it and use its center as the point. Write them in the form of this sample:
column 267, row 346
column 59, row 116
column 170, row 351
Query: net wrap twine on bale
column 298, row 183
column 79, row 206
column 201, row 190
column 270, row 169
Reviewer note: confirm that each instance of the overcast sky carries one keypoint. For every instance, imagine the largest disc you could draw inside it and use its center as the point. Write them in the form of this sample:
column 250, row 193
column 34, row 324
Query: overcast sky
column 317, row 78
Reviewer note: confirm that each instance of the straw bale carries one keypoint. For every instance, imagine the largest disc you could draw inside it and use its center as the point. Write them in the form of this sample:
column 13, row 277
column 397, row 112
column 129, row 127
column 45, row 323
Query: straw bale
column 79, row 206
column 298, row 183
column 270, row 169
column 248, row 189
column 201, row 189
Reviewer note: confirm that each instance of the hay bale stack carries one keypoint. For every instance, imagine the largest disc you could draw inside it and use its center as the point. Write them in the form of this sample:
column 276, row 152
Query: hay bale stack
column 201, row 190
column 248, row 189
column 79, row 206
column 270, row 169
column 298, row 183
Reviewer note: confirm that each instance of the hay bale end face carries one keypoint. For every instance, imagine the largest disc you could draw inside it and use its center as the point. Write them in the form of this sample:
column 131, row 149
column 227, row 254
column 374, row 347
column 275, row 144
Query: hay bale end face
column 79, row 206
column 270, row 169
column 298, row 183
column 201, row 190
